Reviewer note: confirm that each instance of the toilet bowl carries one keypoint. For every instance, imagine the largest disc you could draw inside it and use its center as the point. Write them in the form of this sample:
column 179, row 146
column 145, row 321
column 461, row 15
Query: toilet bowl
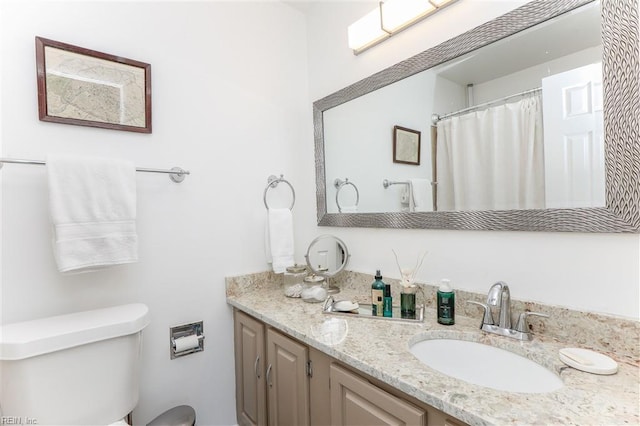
column 77, row 369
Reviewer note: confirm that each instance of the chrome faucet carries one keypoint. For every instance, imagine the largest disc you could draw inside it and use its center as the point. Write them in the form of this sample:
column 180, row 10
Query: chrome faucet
column 328, row 304
column 499, row 296
column 499, row 303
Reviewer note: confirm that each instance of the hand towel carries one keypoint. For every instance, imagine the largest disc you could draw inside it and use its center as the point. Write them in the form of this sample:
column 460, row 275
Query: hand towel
column 92, row 204
column 421, row 194
column 279, row 239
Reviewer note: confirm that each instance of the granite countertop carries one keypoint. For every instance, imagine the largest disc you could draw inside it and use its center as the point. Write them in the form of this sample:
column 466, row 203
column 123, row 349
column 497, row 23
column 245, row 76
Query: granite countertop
column 380, row 349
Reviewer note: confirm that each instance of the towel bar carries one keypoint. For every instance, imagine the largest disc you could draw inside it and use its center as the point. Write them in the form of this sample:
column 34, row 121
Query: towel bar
column 177, row 174
column 387, row 183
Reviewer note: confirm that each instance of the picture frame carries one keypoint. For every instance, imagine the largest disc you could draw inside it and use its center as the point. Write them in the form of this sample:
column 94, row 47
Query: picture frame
column 406, row 146
column 85, row 87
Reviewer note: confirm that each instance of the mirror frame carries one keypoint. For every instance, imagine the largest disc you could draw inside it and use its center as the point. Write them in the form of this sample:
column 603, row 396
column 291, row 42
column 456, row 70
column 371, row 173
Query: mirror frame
column 621, row 87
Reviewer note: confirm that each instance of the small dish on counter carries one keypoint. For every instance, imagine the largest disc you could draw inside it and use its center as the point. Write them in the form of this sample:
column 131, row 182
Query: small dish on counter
column 346, row 306
column 588, row 360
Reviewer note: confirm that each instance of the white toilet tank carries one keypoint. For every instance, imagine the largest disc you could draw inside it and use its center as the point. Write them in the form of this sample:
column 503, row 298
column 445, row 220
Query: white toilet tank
column 76, row 369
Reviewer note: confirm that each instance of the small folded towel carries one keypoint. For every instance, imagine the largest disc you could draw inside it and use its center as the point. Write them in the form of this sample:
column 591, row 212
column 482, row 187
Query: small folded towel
column 92, row 203
column 421, row 194
column 279, row 239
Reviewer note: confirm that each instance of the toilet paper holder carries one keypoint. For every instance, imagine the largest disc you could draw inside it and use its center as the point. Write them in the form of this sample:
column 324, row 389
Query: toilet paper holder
column 186, row 339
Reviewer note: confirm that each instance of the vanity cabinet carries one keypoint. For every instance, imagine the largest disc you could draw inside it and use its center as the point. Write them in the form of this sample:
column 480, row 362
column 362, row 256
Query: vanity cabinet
column 272, row 385
column 281, row 381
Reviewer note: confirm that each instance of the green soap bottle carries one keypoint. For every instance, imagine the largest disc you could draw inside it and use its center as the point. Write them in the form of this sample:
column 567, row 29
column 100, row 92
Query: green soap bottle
column 387, row 302
column 446, row 304
column 377, row 295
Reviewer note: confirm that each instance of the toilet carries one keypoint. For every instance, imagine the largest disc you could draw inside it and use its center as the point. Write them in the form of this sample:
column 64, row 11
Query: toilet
column 77, row 369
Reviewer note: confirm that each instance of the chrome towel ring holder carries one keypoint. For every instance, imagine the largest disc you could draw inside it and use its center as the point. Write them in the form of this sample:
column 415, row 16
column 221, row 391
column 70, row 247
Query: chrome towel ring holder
column 272, row 182
column 339, row 184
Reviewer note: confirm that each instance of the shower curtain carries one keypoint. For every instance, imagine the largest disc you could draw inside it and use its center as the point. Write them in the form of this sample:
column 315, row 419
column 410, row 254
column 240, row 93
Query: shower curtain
column 492, row 159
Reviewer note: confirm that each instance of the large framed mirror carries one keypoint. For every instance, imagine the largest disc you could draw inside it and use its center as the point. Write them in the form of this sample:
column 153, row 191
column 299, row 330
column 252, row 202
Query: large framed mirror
column 553, row 60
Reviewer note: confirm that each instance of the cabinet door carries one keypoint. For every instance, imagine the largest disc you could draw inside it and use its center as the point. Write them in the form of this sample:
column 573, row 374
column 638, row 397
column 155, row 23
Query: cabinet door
column 355, row 401
column 319, row 389
column 438, row 418
column 251, row 398
column 287, row 382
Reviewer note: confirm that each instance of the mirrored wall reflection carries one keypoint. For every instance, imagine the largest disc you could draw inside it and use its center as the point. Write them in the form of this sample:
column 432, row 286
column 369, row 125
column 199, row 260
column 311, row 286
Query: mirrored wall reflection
column 519, row 126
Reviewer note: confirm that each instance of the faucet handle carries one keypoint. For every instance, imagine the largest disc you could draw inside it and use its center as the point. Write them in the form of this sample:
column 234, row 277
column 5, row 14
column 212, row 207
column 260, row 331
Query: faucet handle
column 487, row 317
column 522, row 320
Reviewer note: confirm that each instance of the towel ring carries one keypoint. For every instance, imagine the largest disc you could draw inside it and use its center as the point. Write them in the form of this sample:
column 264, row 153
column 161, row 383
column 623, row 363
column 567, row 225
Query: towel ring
column 339, row 183
column 273, row 181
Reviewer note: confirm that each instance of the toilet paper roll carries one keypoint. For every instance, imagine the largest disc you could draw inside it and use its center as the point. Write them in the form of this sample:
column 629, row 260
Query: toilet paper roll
column 186, row 343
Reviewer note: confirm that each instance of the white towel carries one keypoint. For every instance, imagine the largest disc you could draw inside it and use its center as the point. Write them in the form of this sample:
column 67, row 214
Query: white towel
column 279, row 239
column 92, row 203
column 421, row 194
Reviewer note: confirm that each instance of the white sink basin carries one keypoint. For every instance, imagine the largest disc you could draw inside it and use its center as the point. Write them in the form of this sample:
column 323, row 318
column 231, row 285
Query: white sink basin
column 486, row 365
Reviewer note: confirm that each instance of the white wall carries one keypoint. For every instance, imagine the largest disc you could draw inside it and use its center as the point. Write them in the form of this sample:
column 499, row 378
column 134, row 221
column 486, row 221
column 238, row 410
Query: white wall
column 230, row 104
column 569, row 269
column 358, row 143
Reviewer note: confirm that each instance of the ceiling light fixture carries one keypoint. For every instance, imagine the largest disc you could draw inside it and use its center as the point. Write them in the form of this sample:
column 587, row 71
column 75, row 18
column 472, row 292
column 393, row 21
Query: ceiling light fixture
column 389, row 18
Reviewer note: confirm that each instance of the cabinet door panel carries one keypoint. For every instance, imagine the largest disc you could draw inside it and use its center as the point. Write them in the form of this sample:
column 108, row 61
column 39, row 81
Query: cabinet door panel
column 355, row 402
column 288, row 385
column 320, row 409
column 251, row 399
column 438, row 418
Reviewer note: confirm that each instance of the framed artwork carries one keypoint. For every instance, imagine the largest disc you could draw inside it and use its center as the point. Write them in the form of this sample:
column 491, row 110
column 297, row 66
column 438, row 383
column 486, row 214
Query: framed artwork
column 406, row 146
column 88, row 88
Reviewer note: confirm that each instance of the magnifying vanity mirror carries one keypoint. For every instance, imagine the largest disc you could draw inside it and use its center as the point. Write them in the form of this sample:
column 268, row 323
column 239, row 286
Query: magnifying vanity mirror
column 560, row 79
column 326, row 256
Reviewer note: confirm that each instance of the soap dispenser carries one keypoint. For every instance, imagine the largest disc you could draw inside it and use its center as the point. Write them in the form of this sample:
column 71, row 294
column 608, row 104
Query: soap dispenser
column 446, row 303
column 377, row 295
column 387, row 303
